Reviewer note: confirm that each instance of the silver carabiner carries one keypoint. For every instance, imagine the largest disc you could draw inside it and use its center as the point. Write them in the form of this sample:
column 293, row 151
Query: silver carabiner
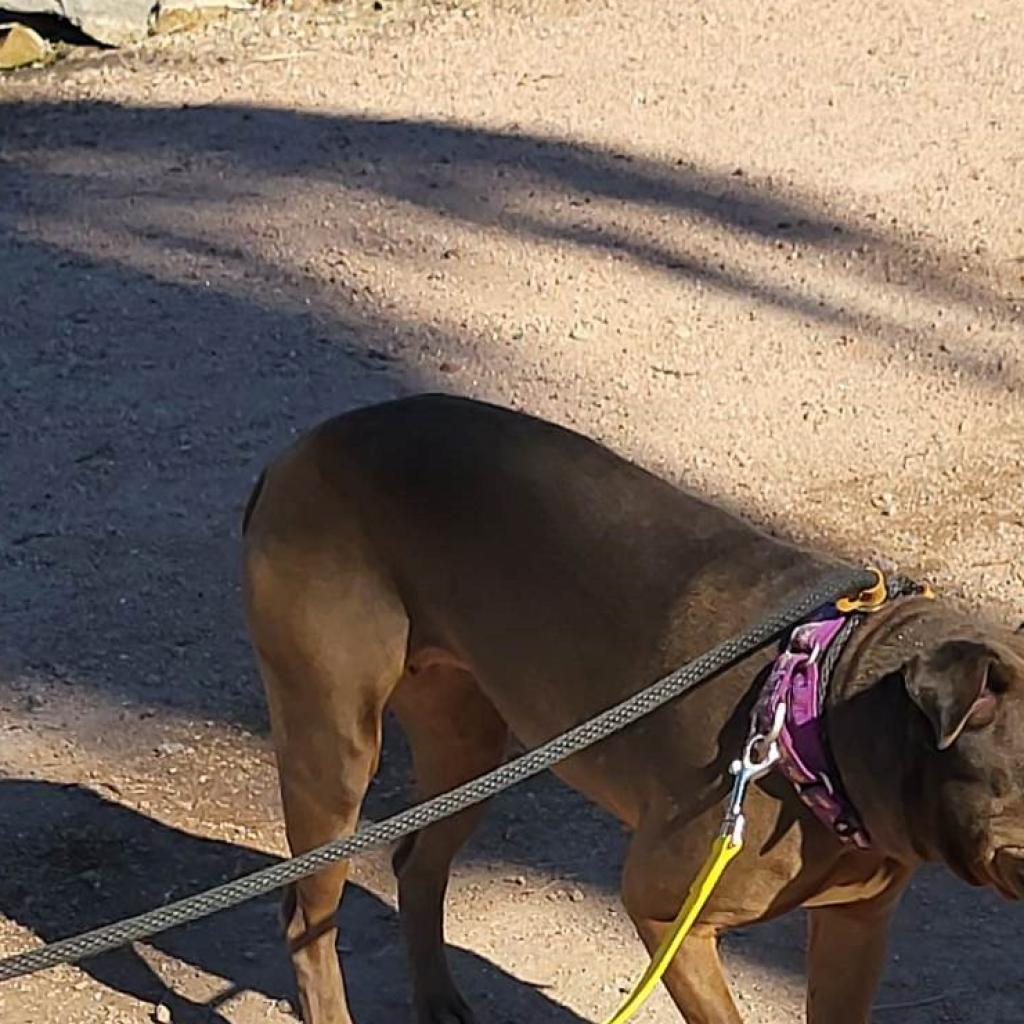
column 760, row 756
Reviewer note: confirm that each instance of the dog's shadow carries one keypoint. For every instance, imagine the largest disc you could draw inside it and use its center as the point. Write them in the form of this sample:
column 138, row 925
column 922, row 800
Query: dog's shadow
column 71, row 860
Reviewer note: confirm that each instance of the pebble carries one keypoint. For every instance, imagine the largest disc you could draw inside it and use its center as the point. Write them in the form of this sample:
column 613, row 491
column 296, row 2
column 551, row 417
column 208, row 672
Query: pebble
column 885, row 503
column 171, row 748
column 21, row 46
column 162, row 1014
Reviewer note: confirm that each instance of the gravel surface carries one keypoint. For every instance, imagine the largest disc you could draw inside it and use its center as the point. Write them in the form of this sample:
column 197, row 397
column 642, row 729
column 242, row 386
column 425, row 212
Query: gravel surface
column 774, row 251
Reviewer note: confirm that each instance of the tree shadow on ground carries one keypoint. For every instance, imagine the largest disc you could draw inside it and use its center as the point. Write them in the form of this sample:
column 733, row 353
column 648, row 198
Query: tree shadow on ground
column 152, row 368
column 141, row 397
column 524, row 185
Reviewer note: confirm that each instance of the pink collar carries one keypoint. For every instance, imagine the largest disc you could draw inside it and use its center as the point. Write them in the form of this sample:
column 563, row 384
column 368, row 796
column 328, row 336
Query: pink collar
column 796, row 679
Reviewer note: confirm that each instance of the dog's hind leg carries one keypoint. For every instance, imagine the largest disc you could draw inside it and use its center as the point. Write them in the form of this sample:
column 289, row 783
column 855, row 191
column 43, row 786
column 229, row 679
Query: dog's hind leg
column 455, row 734
column 331, row 642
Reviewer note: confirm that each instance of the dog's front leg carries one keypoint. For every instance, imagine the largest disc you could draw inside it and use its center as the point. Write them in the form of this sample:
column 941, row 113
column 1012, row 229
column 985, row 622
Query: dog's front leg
column 661, row 862
column 845, row 958
column 694, row 978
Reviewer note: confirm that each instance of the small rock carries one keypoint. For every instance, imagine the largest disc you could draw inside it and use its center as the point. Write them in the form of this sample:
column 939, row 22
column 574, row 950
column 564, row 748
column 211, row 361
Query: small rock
column 885, row 503
column 576, row 895
column 22, row 47
column 179, row 19
column 162, row 1014
column 170, row 749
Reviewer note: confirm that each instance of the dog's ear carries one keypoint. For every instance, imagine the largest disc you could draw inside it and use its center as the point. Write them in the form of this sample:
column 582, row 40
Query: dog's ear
column 953, row 684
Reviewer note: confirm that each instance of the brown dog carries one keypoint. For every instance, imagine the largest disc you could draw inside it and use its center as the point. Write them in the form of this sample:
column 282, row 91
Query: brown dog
column 482, row 572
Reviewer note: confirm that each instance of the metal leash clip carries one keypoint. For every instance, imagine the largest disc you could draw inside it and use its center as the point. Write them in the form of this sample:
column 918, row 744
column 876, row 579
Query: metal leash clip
column 760, row 756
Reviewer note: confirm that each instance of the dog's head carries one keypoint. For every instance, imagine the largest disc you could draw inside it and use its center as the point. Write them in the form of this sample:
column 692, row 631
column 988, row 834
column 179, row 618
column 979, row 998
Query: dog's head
column 964, row 783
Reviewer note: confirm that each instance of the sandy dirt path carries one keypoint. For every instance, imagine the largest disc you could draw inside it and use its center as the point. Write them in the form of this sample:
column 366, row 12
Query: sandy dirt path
column 774, row 251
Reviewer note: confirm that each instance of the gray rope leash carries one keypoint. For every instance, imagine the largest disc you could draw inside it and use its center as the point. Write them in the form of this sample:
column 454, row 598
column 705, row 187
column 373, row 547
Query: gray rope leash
column 837, row 584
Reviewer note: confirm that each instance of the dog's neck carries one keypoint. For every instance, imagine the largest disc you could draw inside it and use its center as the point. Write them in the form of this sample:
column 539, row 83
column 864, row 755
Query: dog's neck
column 873, row 738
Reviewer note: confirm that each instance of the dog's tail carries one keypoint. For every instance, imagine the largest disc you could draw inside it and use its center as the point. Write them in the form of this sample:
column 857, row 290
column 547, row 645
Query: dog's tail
column 250, row 505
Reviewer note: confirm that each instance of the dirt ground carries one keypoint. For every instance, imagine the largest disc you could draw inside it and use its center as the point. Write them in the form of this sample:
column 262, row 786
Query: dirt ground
column 773, row 250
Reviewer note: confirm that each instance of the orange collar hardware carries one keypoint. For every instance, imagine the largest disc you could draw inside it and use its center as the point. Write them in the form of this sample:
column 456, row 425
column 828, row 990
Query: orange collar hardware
column 868, row 600
column 872, row 598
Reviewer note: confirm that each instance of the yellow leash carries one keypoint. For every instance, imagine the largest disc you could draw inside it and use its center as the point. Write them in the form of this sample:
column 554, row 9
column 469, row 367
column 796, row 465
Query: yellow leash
column 724, row 849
